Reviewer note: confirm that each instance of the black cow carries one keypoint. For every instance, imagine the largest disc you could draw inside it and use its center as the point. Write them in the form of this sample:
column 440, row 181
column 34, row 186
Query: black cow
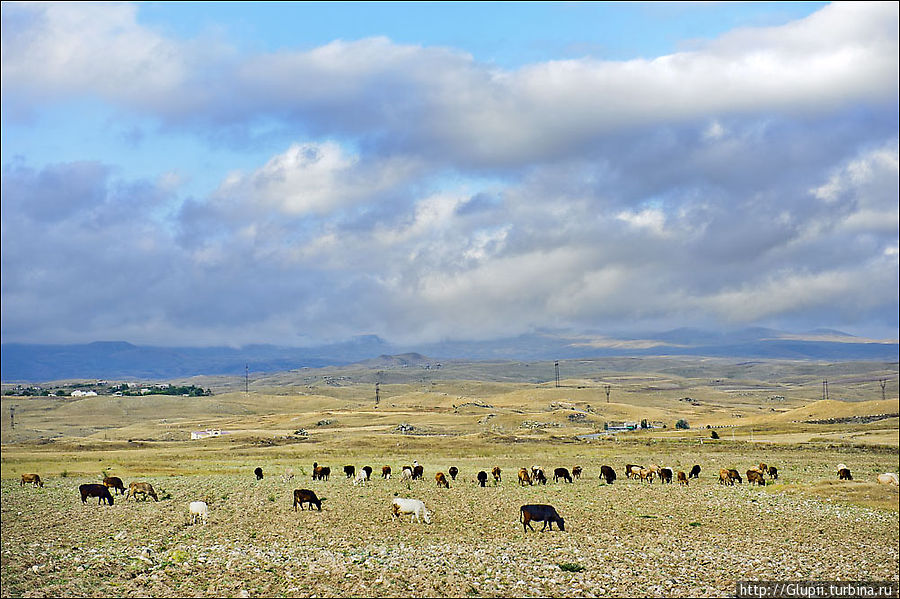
column 563, row 473
column 350, row 471
column 608, row 473
column 258, row 473
column 665, row 475
column 695, row 471
column 453, row 472
column 540, row 513
column 94, row 490
column 368, row 471
column 302, row 496
column 114, row 482
column 482, row 478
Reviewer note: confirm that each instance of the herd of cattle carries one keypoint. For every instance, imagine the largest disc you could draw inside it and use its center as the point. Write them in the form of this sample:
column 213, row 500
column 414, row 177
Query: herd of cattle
column 199, row 510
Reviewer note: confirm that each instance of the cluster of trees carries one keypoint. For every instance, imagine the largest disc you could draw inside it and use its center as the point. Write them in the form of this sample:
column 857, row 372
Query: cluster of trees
column 103, row 389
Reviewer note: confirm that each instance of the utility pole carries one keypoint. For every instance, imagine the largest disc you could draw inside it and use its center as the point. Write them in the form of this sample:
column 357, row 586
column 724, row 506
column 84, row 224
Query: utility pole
column 377, row 394
column 883, row 383
column 556, row 365
column 825, row 389
column 247, row 379
column 607, row 394
column 12, row 416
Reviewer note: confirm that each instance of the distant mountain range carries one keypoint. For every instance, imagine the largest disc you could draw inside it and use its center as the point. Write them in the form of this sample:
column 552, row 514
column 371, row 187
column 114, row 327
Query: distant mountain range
column 121, row 361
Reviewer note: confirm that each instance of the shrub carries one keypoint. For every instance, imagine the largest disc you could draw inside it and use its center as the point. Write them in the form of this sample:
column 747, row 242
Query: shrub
column 569, row 567
column 714, row 435
column 682, row 424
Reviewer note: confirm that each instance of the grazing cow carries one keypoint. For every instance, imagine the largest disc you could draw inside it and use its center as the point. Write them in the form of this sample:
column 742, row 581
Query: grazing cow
column 482, row 478
column 695, row 471
column 682, row 478
column 386, row 472
column 608, row 473
column 258, row 473
column 538, row 476
column 320, row 472
column 368, row 471
column 724, row 477
column 844, row 474
column 633, row 470
column 406, row 474
column 416, row 508
column 418, row 472
column 441, row 480
column 302, row 496
column 763, row 467
column 350, row 471
column 888, row 478
column 540, row 513
column 755, row 476
column 360, row 478
column 563, row 473
column 34, row 479
column 666, row 475
column 576, row 472
column 101, row 492
column 524, row 477
column 114, row 482
column 773, row 472
column 646, row 474
column 735, row 476
column 146, row 489
column 453, row 472
column 199, row 511
column 495, row 472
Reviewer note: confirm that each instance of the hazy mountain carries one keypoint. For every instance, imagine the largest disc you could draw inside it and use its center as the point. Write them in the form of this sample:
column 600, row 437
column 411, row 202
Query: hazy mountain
column 120, row 360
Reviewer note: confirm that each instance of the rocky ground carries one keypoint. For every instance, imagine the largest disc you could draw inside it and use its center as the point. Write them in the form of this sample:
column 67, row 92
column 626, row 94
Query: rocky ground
column 626, row 539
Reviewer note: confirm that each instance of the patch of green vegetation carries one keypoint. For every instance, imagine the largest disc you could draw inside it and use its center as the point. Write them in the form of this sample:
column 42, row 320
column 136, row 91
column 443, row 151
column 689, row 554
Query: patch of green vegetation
column 570, row 567
column 695, row 524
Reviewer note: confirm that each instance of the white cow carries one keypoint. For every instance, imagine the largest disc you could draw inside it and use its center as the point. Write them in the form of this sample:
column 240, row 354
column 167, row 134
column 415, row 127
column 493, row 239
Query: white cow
column 415, row 507
column 888, row 478
column 199, row 511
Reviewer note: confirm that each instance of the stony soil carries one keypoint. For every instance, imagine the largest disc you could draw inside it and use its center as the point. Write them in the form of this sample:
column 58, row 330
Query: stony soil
column 626, row 539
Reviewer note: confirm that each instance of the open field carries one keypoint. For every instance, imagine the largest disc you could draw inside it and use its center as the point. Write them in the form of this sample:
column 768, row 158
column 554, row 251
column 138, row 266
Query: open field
column 620, row 540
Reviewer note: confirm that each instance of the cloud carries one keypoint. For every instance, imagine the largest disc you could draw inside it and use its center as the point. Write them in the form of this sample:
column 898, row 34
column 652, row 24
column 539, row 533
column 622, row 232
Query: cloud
column 415, row 193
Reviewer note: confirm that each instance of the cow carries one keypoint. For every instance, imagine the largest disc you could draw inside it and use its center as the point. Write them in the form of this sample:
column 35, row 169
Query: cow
column 540, row 513
column 844, row 474
column 482, row 478
column 495, row 472
column 695, row 471
column 538, row 476
column 32, row 479
column 561, row 473
column 350, row 471
column 524, row 477
column 576, row 472
column 608, row 473
column 320, row 472
column 258, row 473
column 302, row 496
column 665, row 475
column 441, row 480
column 633, row 470
column 646, row 474
column 888, row 478
column 146, row 489
column 453, row 471
column 386, row 472
column 368, row 471
column 755, row 476
column 773, row 472
column 418, row 471
column 101, row 492
column 420, row 513
column 114, row 482
column 682, row 478
column 735, row 476
column 198, row 511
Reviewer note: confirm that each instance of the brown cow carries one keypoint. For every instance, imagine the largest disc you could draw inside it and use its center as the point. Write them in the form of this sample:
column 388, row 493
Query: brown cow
column 755, row 476
column 632, row 470
column 576, row 471
column 844, row 474
column 682, row 478
column 385, row 472
column 302, row 496
column 95, row 490
column 114, row 482
column 646, row 474
column 441, row 480
column 665, row 475
column 524, row 477
column 146, row 489
column 34, row 479
column 495, row 472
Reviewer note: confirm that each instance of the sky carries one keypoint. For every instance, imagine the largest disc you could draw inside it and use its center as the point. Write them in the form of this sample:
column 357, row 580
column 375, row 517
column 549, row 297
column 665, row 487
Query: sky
column 303, row 173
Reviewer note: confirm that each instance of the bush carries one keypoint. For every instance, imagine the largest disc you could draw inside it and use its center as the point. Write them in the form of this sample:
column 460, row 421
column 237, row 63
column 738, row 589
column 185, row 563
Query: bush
column 682, row 424
column 714, row 435
column 568, row 567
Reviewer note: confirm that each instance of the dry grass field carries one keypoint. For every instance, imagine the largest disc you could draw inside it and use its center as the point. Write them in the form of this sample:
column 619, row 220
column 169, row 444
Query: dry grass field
column 625, row 539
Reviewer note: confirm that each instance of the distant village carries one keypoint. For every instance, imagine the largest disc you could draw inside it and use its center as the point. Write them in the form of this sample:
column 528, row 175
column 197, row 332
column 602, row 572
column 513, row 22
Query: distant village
column 102, row 387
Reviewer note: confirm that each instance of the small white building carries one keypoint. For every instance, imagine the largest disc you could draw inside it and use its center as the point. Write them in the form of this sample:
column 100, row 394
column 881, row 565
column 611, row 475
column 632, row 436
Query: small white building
column 207, row 433
column 80, row 393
